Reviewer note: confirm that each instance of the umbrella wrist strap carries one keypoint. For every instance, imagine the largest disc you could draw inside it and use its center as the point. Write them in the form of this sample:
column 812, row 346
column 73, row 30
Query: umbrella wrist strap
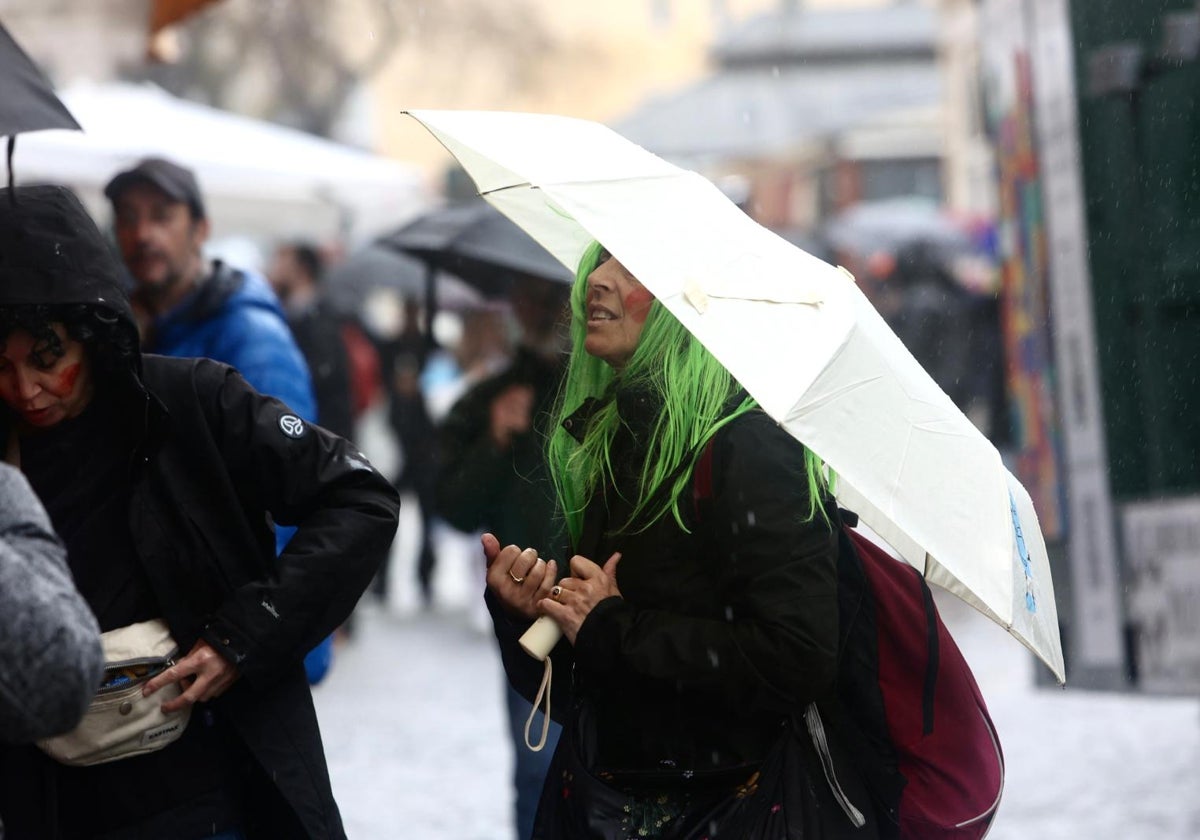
column 543, row 691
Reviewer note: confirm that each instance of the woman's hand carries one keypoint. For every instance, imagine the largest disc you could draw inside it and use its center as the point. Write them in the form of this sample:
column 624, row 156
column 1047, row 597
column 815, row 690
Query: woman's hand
column 520, row 579
column 575, row 597
column 209, row 673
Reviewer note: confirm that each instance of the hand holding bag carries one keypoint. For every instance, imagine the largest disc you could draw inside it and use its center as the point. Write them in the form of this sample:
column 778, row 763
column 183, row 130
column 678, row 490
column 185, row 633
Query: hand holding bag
column 120, row 722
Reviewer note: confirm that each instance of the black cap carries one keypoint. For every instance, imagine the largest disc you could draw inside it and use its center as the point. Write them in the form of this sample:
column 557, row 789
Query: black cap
column 178, row 182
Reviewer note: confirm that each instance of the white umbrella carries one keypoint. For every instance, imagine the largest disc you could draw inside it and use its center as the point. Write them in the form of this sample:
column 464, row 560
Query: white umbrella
column 801, row 338
column 257, row 177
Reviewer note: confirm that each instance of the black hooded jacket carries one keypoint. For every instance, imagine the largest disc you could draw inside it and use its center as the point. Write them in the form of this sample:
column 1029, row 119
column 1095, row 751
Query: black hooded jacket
column 722, row 632
column 212, row 465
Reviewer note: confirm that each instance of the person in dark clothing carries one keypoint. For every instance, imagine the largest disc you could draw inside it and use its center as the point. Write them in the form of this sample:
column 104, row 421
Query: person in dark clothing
column 188, row 306
column 165, row 478
column 688, row 643
column 295, row 274
column 404, row 360
column 493, row 476
column 933, row 318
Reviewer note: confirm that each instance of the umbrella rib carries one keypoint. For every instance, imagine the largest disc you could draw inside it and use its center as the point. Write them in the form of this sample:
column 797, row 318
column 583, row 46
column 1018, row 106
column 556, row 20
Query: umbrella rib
column 634, row 179
column 525, row 185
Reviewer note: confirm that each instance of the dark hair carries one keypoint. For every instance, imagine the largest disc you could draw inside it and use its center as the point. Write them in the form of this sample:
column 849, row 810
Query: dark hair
column 111, row 343
column 309, row 258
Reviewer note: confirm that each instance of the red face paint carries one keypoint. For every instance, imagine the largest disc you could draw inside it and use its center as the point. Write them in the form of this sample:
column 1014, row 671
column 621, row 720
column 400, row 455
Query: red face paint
column 637, row 303
column 64, row 383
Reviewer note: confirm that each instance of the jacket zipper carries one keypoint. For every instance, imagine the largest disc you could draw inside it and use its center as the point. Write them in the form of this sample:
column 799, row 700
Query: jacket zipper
column 816, row 729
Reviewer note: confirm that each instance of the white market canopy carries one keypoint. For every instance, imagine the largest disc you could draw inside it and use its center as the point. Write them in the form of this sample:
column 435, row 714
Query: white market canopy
column 259, row 179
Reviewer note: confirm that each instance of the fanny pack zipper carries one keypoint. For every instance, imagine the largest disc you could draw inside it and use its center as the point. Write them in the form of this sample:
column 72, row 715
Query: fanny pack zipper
column 165, row 661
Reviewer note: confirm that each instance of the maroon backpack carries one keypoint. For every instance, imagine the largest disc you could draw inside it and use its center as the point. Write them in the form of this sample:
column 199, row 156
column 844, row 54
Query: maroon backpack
column 918, row 727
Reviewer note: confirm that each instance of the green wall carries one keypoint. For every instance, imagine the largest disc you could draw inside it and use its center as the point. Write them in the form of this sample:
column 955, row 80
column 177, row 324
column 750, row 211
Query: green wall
column 1141, row 168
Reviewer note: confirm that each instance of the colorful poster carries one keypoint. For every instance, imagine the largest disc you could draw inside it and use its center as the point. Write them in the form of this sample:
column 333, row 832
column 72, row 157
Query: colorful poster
column 1047, row 300
column 1021, row 226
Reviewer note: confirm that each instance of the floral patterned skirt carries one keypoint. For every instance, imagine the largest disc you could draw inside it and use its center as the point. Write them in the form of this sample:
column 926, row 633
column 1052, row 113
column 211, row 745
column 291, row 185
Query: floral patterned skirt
column 786, row 797
column 578, row 805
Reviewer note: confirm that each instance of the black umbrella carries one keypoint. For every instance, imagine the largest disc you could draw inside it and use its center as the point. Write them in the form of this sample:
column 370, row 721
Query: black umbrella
column 349, row 282
column 27, row 100
column 891, row 224
column 478, row 244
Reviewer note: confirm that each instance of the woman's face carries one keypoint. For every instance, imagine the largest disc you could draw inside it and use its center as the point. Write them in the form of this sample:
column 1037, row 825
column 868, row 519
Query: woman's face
column 43, row 389
column 617, row 306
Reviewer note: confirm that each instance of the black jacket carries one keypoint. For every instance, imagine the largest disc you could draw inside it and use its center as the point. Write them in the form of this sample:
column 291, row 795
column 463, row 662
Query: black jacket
column 213, row 465
column 217, row 458
column 719, row 635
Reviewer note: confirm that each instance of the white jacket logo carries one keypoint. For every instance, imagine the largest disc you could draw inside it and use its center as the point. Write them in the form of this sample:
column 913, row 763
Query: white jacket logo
column 291, row 425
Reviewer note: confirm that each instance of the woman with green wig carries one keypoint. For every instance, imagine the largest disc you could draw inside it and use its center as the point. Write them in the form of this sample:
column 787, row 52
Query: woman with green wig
column 699, row 613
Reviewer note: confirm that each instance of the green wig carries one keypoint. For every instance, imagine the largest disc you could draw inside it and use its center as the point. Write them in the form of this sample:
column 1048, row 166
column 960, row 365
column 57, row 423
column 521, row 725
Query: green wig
column 695, row 393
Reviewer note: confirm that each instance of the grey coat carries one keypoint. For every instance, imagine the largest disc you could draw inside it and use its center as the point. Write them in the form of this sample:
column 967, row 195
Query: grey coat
column 50, row 659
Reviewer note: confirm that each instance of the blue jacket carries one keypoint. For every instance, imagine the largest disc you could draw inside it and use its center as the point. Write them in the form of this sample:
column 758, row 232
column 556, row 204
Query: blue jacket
column 235, row 318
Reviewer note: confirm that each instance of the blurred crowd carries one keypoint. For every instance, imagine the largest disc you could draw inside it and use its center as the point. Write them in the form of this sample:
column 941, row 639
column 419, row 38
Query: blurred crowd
column 462, row 386
column 459, row 360
column 944, row 304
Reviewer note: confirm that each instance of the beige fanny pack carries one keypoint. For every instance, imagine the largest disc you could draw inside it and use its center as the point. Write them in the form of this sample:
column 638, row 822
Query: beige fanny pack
column 120, row 722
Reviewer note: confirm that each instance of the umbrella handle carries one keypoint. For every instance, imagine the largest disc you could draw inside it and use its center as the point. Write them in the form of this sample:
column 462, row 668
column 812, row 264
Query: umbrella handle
column 540, row 638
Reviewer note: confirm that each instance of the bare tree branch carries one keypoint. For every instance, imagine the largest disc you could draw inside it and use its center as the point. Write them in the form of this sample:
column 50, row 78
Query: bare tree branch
column 296, row 59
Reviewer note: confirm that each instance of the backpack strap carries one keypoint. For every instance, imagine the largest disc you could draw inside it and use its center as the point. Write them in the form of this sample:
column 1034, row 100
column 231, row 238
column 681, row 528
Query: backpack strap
column 861, row 545
column 931, row 664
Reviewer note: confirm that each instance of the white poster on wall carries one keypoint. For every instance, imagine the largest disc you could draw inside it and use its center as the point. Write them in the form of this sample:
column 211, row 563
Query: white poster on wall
column 1092, row 544
column 1162, row 554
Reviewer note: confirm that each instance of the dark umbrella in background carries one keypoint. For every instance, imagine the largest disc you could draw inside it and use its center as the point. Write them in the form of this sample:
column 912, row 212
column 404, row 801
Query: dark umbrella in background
column 350, row 282
column 890, row 224
column 477, row 243
column 27, row 100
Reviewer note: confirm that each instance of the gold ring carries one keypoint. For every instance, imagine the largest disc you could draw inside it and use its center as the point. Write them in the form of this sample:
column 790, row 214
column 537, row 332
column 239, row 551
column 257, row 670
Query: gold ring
column 516, row 580
column 555, row 592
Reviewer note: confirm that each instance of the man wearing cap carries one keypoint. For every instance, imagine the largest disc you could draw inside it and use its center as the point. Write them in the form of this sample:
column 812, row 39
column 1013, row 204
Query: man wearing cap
column 189, row 306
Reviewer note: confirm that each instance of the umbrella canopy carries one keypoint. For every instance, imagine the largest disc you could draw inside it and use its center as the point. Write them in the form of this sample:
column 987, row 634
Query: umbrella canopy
column 258, row 178
column 349, row 282
column 478, row 244
column 27, row 100
column 890, row 224
column 799, row 336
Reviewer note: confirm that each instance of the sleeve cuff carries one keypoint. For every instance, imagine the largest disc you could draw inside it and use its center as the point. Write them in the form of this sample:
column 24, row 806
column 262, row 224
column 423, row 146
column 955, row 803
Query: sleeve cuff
column 227, row 642
column 598, row 642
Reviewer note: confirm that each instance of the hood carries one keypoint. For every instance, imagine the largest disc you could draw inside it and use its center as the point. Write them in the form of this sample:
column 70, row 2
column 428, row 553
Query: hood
column 51, row 252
